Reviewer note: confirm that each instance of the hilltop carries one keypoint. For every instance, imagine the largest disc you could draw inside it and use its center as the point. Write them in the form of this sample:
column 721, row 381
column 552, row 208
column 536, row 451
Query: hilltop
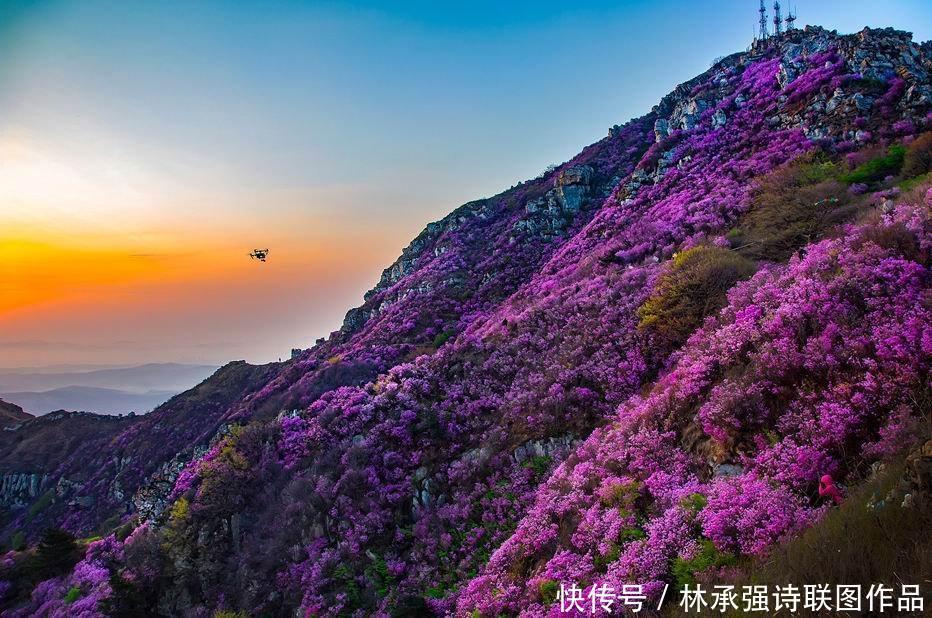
column 11, row 414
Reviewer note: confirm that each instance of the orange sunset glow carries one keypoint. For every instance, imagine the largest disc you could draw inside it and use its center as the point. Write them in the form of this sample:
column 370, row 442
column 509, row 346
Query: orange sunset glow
column 174, row 294
column 89, row 262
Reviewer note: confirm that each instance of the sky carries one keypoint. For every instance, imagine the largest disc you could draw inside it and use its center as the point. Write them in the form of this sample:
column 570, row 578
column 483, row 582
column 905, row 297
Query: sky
column 147, row 147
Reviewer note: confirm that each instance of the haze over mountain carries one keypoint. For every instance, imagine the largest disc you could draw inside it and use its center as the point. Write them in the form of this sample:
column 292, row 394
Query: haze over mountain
column 139, row 378
column 89, row 399
column 106, row 391
column 634, row 368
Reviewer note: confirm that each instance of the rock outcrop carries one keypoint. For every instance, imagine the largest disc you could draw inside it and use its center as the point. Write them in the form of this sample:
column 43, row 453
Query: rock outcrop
column 554, row 211
column 18, row 489
column 12, row 416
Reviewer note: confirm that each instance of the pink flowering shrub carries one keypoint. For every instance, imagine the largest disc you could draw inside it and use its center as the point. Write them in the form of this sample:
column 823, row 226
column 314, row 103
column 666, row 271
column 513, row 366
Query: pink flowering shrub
column 80, row 594
column 830, row 349
column 895, row 90
column 746, row 514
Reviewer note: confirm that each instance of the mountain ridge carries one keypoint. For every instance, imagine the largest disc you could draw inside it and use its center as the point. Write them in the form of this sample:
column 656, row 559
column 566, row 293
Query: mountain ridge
column 89, row 399
column 140, row 378
column 12, row 414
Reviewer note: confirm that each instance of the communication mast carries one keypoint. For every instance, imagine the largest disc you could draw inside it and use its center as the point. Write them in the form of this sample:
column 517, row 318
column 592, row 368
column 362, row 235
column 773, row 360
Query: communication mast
column 777, row 19
column 790, row 21
column 762, row 34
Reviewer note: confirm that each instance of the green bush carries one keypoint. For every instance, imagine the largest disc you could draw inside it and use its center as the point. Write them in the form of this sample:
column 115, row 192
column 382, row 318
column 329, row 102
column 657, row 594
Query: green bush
column 548, row 590
column 342, row 575
column 122, row 533
column 917, row 181
column 684, row 571
column 879, row 168
column 377, row 573
column 56, row 553
column 18, row 541
column 918, row 158
column 538, row 463
column 601, row 561
column 442, row 338
column 72, row 595
column 694, row 502
column 694, row 285
column 632, row 533
column 622, row 495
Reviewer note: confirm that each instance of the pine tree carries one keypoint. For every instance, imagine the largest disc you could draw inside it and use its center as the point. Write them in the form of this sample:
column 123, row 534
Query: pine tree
column 56, row 553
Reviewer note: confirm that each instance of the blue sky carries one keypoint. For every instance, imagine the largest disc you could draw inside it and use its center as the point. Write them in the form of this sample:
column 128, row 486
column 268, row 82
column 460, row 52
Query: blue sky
column 171, row 125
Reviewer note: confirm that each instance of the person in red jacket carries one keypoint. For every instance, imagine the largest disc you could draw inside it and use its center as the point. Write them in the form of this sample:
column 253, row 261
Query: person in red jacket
column 827, row 488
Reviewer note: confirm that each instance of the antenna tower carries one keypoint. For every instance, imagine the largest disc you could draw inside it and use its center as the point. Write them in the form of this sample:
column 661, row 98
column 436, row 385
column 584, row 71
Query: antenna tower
column 790, row 20
column 777, row 19
column 762, row 34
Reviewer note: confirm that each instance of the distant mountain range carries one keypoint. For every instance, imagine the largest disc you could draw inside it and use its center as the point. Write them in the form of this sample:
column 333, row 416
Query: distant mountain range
column 105, row 391
column 89, row 399
column 139, row 379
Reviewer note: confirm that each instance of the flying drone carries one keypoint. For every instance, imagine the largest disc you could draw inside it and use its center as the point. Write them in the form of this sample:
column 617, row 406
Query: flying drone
column 259, row 254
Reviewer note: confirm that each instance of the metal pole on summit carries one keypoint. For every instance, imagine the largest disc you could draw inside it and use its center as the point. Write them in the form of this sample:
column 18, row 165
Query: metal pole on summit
column 790, row 20
column 762, row 34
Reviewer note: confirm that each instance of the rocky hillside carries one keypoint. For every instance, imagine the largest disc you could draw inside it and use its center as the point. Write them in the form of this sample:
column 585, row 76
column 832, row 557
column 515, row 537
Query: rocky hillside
column 12, row 415
column 589, row 377
column 32, row 451
column 85, row 469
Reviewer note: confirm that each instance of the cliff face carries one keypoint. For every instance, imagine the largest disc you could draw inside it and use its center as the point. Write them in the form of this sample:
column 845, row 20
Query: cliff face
column 555, row 383
column 32, row 451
